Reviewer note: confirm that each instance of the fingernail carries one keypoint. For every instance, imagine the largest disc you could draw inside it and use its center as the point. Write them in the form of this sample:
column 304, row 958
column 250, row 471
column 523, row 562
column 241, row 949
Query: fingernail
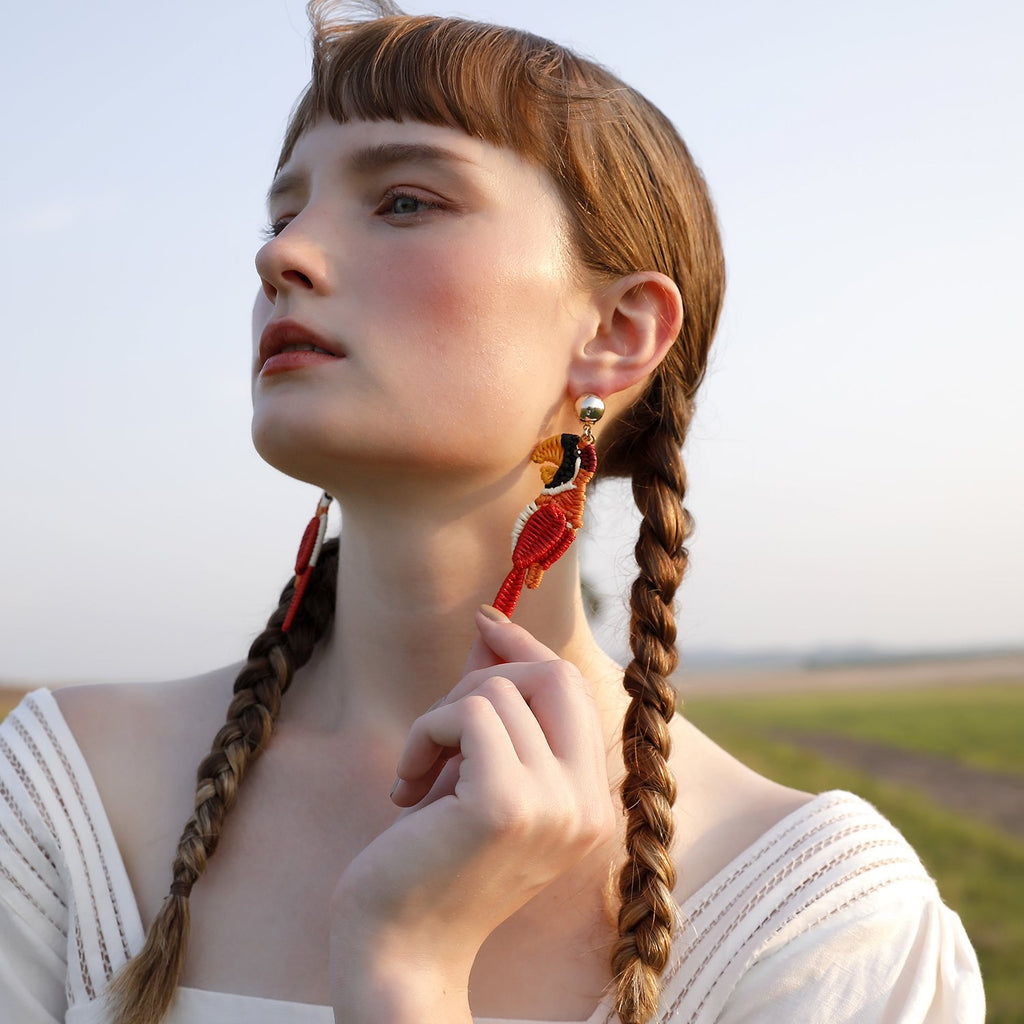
column 394, row 787
column 488, row 611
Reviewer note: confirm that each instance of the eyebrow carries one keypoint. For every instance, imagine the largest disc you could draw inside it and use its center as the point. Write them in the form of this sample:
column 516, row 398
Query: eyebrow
column 370, row 159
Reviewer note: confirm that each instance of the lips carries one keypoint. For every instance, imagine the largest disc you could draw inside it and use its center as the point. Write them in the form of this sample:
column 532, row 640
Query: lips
column 286, row 344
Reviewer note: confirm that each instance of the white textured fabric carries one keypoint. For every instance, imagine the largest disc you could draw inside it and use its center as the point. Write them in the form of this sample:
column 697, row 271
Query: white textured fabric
column 829, row 917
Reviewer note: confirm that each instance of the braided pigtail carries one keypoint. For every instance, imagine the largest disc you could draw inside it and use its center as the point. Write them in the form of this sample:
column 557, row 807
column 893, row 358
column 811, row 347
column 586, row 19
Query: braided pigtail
column 647, row 913
column 142, row 992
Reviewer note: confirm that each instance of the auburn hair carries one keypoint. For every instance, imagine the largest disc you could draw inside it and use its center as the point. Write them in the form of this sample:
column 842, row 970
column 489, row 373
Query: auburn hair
column 635, row 201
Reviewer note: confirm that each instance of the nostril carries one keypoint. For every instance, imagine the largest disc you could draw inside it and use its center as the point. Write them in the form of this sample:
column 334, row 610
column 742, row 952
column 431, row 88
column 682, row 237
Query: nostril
column 297, row 277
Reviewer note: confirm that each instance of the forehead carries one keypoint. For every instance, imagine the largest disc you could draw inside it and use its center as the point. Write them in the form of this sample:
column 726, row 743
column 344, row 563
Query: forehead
column 364, row 147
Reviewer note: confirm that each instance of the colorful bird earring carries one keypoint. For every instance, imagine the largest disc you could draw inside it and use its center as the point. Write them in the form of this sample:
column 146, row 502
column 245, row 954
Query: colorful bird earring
column 547, row 526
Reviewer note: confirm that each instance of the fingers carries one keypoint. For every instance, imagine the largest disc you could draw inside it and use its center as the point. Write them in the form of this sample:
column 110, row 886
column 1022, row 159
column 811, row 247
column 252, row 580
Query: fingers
column 560, row 698
column 493, row 728
column 480, row 657
column 508, row 640
column 513, row 644
column 405, row 794
column 538, row 709
column 438, row 784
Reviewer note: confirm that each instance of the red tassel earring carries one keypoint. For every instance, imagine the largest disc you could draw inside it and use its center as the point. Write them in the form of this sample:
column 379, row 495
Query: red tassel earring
column 547, row 526
column 309, row 552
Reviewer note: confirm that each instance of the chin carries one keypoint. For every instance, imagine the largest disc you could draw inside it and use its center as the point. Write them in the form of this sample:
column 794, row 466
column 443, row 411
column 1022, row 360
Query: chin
column 349, row 450
column 326, row 455
column 292, row 438
column 288, row 455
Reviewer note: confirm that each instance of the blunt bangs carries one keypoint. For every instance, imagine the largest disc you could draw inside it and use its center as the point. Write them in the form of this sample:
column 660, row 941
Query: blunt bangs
column 506, row 87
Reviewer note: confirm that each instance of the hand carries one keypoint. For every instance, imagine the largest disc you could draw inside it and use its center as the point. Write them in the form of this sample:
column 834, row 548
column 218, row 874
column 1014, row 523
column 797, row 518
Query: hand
column 507, row 788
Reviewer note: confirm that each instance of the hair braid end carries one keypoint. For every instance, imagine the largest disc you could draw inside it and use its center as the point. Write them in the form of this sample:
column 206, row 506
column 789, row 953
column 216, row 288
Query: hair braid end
column 142, row 991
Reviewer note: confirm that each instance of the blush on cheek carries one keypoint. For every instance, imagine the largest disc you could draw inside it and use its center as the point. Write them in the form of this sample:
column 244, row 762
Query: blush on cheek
column 449, row 309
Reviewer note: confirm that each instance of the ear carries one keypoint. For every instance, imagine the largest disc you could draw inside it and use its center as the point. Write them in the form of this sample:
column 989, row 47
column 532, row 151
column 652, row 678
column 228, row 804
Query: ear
column 640, row 318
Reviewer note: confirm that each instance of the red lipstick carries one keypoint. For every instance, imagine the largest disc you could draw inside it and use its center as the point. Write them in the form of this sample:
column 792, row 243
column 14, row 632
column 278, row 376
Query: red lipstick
column 287, row 345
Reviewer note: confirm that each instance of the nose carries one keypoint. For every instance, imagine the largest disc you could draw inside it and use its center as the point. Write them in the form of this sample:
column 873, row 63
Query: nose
column 293, row 260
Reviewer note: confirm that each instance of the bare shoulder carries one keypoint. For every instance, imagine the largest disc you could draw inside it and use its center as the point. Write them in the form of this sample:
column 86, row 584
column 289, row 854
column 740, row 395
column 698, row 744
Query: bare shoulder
column 115, row 723
column 142, row 743
column 722, row 807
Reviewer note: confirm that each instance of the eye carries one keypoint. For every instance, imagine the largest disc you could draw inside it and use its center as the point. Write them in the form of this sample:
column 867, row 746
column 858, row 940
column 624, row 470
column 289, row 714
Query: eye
column 274, row 228
column 403, row 204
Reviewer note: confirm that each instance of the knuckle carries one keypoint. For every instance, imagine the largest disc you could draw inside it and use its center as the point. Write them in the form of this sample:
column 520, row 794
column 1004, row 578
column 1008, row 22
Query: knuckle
column 601, row 822
column 591, row 815
column 497, row 687
column 568, row 677
column 560, row 671
column 476, row 708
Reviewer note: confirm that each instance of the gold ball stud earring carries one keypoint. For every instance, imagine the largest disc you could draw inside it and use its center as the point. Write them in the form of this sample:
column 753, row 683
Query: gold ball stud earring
column 590, row 409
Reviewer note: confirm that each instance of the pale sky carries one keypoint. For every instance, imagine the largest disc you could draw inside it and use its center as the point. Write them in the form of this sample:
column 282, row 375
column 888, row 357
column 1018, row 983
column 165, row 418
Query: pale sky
column 856, row 466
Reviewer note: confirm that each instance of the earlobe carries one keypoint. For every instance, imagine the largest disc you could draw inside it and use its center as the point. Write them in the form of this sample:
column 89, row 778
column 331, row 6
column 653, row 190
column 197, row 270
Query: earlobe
column 641, row 315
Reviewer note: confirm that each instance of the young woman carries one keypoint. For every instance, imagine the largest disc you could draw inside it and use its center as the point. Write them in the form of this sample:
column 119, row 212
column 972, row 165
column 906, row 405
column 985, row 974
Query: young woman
column 474, row 235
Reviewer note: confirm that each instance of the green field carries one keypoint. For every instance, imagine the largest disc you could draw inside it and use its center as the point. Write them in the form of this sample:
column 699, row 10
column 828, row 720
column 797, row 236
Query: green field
column 979, row 869
column 981, row 726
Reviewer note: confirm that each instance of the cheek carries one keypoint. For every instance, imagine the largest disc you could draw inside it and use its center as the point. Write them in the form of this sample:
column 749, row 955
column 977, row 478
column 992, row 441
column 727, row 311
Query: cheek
column 496, row 302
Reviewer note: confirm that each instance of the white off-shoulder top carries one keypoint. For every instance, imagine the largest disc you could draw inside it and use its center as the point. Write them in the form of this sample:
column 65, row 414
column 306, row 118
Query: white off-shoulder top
column 828, row 917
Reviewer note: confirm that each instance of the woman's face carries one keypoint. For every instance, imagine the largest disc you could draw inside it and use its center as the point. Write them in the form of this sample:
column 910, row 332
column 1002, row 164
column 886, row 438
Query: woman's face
column 435, row 272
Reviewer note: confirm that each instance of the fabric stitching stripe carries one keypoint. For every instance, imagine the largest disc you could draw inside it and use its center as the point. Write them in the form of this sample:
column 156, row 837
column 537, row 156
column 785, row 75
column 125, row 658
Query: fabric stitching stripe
column 15, row 810
column 860, row 895
column 12, row 845
column 790, row 864
column 37, row 712
column 33, row 793
column 101, row 938
column 28, row 897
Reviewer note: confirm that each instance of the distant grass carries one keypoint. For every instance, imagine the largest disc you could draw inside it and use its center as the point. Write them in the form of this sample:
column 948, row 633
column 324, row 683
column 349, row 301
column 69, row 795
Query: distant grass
column 981, row 726
column 980, row 871
column 8, row 700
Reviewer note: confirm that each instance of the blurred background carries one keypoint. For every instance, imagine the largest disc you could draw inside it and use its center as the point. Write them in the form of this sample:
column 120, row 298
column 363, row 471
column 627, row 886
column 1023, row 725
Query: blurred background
column 856, row 468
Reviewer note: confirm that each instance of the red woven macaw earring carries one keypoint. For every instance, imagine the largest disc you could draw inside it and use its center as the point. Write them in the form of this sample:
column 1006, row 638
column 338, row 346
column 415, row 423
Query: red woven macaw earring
column 309, row 552
column 547, row 526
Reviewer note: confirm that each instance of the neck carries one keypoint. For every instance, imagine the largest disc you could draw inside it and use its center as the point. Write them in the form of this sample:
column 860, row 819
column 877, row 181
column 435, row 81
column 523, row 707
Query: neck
column 411, row 574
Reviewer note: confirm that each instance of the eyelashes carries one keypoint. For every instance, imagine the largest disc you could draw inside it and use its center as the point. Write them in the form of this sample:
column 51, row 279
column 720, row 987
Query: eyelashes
column 396, row 204
column 273, row 229
column 411, row 204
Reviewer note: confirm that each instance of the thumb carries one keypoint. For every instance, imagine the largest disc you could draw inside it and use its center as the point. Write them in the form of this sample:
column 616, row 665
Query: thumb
column 507, row 641
column 480, row 656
